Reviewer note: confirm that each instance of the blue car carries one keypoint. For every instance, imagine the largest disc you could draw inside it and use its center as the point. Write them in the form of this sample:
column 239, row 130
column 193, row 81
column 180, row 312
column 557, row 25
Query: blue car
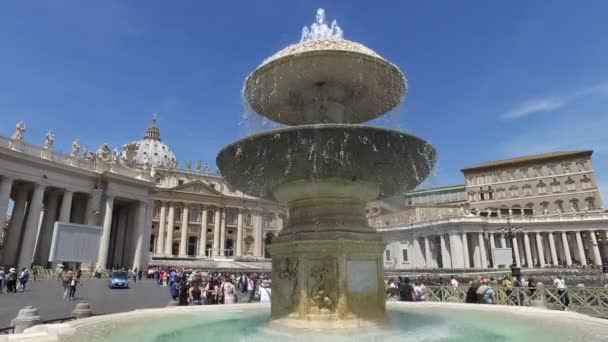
column 119, row 279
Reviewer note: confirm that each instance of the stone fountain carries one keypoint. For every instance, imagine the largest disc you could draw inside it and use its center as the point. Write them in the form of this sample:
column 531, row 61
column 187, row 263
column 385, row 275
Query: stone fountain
column 327, row 261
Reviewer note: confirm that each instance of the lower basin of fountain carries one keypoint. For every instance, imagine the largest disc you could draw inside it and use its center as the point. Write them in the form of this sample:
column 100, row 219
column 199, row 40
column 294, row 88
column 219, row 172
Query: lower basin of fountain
column 406, row 322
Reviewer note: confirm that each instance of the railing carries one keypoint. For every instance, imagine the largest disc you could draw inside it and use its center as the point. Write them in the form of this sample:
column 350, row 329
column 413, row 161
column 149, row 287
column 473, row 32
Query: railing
column 67, row 159
column 592, row 301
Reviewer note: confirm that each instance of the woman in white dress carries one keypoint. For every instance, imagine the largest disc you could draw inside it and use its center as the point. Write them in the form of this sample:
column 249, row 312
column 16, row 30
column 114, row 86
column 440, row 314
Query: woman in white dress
column 229, row 291
column 265, row 292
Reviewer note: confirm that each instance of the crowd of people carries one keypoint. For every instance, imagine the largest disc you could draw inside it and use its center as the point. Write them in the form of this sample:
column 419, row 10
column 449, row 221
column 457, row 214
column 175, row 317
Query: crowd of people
column 197, row 287
column 14, row 281
column 480, row 290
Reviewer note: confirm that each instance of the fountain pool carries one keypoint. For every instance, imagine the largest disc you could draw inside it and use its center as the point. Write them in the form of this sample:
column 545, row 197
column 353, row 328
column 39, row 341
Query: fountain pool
column 407, row 322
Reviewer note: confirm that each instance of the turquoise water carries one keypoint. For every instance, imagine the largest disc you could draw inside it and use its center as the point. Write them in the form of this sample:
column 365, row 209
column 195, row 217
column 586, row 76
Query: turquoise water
column 407, row 324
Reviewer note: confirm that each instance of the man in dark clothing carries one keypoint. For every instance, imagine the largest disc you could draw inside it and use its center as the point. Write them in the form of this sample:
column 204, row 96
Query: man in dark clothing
column 406, row 291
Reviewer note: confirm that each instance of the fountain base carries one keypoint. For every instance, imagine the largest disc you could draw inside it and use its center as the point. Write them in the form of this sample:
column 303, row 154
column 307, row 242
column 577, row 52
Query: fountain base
column 326, row 283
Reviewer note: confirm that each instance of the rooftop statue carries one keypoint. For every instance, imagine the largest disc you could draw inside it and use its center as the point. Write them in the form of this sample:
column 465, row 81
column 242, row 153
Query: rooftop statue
column 103, row 153
column 129, row 151
column 75, row 148
column 49, row 139
column 188, row 165
column 18, row 135
column 206, row 168
column 199, row 165
column 319, row 29
column 84, row 152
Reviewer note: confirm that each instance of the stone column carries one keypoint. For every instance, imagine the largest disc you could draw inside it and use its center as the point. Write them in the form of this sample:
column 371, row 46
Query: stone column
column 5, row 195
column 121, row 227
column 427, row 253
column 104, row 243
column 492, row 247
column 216, row 232
column 503, row 241
column 566, row 248
column 581, row 249
column 515, row 247
column 140, row 221
column 90, row 217
column 45, row 236
column 552, row 248
column 28, row 241
column 528, row 250
column 223, row 233
column 148, row 217
column 258, row 230
column 541, row 250
column 170, row 228
column 162, row 227
column 605, row 244
column 15, row 227
column 597, row 258
column 465, row 247
column 417, row 255
column 239, row 234
column 183, row 240
column 202, row 246
column 445, row 256
column 456, row 250
column 482, row 251
column 66, row 206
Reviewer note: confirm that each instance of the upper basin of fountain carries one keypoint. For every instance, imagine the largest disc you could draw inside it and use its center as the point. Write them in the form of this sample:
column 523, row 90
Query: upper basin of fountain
column 362, row 156
column 324, row 79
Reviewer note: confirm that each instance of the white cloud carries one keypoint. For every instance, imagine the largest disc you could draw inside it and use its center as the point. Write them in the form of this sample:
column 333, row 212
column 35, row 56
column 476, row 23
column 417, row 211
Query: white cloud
column 531, row 107
column 548, row 104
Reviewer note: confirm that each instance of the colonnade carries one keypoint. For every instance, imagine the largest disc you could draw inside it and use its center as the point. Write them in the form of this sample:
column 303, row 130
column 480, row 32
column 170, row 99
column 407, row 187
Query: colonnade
column 532, row 249
column 36, row 207
column 210, row 218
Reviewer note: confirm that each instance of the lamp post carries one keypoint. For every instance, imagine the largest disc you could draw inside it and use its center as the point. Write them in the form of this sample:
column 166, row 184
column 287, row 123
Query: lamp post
column 511, row 232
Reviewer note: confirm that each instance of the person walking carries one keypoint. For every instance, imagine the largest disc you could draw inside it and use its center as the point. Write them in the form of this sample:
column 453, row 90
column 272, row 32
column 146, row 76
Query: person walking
column 23, row 278
column 228, row 291
column 73, row 283
column 406, row 291
column 2, row 279
column 66, row 279
column 560, row 285
column 11, row 281
column 265, row 292
column 419, row 290
column 195, row 293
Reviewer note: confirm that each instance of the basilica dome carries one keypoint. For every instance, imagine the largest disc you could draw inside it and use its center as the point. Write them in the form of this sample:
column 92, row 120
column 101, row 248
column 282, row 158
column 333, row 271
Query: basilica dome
column 153, row 151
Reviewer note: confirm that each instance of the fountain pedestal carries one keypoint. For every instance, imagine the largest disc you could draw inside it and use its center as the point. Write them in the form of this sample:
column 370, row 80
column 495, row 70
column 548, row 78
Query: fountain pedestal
column 327, row 283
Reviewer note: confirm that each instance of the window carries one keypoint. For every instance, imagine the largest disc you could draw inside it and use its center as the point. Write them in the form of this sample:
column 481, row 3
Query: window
column 582, row 165
column 497, row 177
column 404, row 251
column 194, row 214
column 511, row 175
column 590, row 203
column 541, row 187
column 570, row 185
column 500, row 193
column 552, row 170
column 180, row 182
column 481, row 194
column 585, row 182
column 490, row 193
column 513, row 191
column 560, row 206
column 545, row 207
column 178, row 214
column 387, row 253
column 471, row 196
column 523, row 173
column 488, row 179
column 538, row 171
column 566, row 167
column 555, row 186
column 574, row 204
column 527, row 189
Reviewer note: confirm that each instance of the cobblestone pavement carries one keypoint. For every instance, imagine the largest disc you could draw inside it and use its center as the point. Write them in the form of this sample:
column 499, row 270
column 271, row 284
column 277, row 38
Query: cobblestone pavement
column 47, row 296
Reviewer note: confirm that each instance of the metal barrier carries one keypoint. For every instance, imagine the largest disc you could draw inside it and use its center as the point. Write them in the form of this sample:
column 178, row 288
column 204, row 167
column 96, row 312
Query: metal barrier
column 592, row 301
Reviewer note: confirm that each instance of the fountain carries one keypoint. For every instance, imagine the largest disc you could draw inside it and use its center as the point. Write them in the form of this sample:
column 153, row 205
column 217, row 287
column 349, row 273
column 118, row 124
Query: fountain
column 327, row 265
column 326, row 262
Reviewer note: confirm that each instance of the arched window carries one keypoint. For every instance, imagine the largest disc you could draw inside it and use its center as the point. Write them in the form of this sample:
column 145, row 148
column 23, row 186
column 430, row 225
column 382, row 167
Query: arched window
column 560, row 206
column 545, row 206
column 574, row 204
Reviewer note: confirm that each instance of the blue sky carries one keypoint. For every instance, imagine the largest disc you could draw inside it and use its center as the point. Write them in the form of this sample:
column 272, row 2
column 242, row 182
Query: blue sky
column 488, row 79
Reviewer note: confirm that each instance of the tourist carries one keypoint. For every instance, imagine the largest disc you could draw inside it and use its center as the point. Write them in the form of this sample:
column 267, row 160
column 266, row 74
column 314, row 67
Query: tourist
column 453, row 282
column 406, row 291
column 174, row 290
column 73, row 283
column 195, row 293
column 265, row 292
column 486, row 293
column 560, row 285
column 471, row 296
column 183, row 291
column 250, row 288
column 532, row 287
column 419, row 290
column 2, row 279
column 228, row 290
column 139, row 274
column 11, row 281
column 23, row 278
column 516, row 295
column 392, row 291
column 133, row 275
column 172, row 277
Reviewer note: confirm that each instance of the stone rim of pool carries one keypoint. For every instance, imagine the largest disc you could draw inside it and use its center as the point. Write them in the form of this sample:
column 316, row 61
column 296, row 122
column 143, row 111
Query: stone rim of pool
column 59, row 332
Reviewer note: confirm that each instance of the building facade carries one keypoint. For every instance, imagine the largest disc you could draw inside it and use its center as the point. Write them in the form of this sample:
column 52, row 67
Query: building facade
column 554, row 197
column 150, row 211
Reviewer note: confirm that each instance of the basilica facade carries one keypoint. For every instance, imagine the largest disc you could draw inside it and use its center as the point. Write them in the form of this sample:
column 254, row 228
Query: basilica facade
column 149, row 210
